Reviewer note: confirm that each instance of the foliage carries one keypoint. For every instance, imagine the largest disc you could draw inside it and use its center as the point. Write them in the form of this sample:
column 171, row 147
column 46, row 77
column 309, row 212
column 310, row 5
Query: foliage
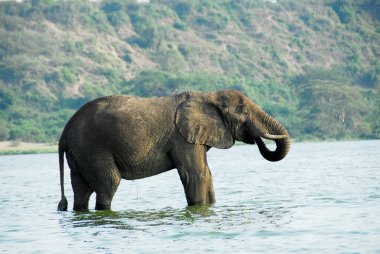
column 344, row 10
column 4, row 131
column 56, row 55
column 115, row 11
column 332, row 107
column 146, row 30
column 183, row 9
column 211, row 21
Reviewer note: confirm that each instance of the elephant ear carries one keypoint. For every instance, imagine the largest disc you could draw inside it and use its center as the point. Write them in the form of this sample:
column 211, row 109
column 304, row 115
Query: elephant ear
column 201, row 123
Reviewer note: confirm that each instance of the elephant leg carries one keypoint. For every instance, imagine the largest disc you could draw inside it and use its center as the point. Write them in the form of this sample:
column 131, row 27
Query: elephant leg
column 82, row 191
column 195, row 174
column 210, row 190
column 102, row 175
column 106, row 187
column 106, row 190
column 81, row 188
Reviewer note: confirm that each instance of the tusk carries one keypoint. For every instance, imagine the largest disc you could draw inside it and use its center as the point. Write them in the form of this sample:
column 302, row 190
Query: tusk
column 273, row 137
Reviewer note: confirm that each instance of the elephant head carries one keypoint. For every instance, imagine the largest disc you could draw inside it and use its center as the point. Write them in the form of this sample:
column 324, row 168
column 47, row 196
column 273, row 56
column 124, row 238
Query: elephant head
column 218, row 119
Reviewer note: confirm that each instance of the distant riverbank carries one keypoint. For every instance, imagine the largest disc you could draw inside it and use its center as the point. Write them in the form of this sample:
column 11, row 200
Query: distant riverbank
column 17, row 147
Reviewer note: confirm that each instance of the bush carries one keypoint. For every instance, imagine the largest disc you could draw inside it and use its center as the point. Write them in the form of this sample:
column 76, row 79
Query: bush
column 336, row 73
column 26, row 130
column 111, row 6
column 95, row 19
column 65, row 76
column 113, row 75
column 9, row 74
column 180, row 26
column 145, row 40
column 184, row 50
column 140, row 23
column 127, row 58
column 212, row 21
column 70, row 13
column 146, row 30
column 344, row 9
column 117, row 18
column 12, row 8
column 69, row 46
column 183, row 9
column 370, row 78
column 5, row 98
column 4, row 132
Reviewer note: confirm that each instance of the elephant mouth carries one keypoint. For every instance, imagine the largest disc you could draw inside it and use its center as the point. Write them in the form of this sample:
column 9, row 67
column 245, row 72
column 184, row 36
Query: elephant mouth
column 281, row 138
column 270, row 129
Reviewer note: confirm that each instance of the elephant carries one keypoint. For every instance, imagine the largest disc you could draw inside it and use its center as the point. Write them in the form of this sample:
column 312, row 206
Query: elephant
column 123, row 137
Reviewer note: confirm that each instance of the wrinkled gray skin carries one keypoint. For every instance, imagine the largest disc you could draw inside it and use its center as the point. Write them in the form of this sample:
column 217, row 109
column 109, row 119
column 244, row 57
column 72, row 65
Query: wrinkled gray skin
column 118, row 136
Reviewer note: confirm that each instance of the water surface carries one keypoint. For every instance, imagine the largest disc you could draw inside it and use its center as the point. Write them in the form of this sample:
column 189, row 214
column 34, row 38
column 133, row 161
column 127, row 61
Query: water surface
column 322, row 198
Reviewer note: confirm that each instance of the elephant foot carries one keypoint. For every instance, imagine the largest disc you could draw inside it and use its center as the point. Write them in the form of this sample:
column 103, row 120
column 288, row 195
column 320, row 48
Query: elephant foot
column 99, row 206
column 209, row 199
column 197, row 203
column 80, row 207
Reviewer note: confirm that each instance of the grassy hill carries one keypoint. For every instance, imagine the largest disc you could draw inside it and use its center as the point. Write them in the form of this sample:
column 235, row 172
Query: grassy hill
column 313, row 65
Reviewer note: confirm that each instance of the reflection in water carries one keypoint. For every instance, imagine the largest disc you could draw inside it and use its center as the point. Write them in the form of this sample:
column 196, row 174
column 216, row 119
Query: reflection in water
column 222, row 217
column 133, row 219
column 138, row 220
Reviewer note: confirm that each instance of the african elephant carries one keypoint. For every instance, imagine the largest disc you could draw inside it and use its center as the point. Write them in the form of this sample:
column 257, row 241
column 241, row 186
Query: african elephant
column 120, row 136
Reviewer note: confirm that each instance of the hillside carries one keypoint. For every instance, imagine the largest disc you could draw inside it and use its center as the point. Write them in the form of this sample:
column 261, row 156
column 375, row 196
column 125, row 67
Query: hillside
column 315, row 66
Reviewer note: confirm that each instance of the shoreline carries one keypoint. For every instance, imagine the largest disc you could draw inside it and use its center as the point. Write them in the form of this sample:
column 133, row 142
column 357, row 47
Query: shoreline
column 18, row 147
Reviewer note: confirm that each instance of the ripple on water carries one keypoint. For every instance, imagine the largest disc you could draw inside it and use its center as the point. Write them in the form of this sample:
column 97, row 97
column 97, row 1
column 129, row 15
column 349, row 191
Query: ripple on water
column 323, row 198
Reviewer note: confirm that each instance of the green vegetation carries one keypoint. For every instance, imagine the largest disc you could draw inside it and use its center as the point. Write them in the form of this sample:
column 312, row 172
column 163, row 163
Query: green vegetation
column 313, row 65
column 28, row 151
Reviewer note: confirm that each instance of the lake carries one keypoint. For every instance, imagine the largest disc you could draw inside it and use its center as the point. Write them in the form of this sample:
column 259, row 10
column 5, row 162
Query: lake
column 322, row 198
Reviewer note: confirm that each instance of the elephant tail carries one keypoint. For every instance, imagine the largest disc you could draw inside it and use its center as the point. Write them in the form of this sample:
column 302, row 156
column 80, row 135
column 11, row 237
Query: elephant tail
column 62, row 206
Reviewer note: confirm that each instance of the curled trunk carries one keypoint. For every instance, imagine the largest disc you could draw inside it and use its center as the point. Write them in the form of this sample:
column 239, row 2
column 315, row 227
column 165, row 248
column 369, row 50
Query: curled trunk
column 272, row 130
column 282, row 149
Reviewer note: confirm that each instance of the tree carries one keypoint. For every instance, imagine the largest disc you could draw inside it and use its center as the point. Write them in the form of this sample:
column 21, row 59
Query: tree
column 332, row 109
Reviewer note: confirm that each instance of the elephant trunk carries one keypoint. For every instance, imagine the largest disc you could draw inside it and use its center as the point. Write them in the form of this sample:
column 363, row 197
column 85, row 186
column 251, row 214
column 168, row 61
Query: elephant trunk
column 272, row 130
column 282, row 148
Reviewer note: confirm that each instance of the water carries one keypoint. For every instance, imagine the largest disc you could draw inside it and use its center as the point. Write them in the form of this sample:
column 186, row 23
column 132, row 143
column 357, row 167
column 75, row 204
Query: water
column 323, row 198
